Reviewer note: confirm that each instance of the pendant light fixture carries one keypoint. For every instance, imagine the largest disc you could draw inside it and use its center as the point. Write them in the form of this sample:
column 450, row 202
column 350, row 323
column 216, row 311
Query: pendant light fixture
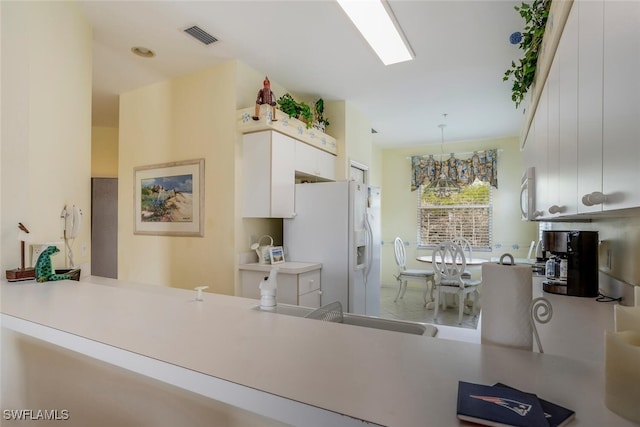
column 443, row 186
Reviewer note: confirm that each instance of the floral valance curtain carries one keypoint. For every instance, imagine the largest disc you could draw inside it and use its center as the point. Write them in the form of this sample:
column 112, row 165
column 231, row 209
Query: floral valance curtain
column 482, row 165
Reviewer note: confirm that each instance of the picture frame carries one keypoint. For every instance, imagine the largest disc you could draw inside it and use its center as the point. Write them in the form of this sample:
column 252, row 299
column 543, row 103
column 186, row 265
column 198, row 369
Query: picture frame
column 169, row 199
column 276, row 254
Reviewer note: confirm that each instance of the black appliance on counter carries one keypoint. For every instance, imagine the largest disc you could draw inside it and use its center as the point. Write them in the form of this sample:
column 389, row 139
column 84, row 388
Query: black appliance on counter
column 572, row 267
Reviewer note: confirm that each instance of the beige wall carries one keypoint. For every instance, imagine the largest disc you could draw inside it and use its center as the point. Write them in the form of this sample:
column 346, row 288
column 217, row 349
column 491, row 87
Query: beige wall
column 185, row 118
column 104, row 152
column 352, row 132
column 336, row 113
column 358, row 137
column 190, row 117
column 375, row 177
column 399, row 204
column 46, row 125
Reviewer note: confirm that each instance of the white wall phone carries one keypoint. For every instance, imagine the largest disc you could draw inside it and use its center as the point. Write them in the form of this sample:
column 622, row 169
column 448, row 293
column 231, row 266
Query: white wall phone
column 71, row 218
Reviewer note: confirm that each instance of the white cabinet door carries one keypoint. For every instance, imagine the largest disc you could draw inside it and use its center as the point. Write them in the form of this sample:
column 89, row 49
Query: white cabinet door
column 286, row 293
column 326, row 165
column 268, row 175
column 250, row 282
column 282, row 175
column 567, row 152
column 621, row 106
column 540, row 155
column 590, row 60
column 315, row 162
column 553, row 134
column 296, row 289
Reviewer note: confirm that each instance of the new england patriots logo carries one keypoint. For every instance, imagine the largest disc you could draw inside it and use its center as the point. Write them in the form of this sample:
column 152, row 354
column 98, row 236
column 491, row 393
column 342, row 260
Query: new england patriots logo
column 519, row 408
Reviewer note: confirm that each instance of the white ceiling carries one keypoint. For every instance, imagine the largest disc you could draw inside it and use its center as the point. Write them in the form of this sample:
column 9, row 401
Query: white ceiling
column 311, row 48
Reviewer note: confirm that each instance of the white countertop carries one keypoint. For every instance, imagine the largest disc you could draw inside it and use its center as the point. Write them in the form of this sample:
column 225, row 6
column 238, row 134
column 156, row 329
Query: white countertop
column 287, row 267
column 383, row 377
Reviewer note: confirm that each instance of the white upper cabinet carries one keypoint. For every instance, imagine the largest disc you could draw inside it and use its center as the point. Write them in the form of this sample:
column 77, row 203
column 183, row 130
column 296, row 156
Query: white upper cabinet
column 271, row 163
column 314, row 163
column 590, row 60
column 621, row 130
column 268, row 175
column 587, row 124
column 567, row 128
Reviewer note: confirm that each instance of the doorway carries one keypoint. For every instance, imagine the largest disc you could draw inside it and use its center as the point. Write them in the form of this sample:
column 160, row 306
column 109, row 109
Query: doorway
column 104, row 227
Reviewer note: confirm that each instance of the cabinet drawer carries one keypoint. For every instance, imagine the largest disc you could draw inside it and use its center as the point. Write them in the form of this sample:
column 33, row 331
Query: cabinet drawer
column 311, row 299
column 309, row 281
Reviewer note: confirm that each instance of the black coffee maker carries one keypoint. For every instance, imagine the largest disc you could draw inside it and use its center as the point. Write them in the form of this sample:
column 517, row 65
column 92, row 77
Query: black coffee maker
column 572, row 266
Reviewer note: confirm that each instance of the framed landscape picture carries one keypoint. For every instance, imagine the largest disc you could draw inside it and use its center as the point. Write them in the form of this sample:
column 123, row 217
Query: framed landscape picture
column 169, row 199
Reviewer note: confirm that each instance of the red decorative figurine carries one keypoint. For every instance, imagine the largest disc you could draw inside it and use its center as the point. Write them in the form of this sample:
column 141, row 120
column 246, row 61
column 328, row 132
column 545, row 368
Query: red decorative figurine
column 265, row 96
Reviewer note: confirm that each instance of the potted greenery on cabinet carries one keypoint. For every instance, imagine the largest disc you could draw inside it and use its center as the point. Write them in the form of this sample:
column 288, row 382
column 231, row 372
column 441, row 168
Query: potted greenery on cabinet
column 295, row 109
column 302, row 111
column 535, row 15
column 320, row 121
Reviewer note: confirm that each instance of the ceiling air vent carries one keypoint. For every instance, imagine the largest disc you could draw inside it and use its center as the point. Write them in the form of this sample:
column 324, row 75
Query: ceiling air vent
column 201, row 35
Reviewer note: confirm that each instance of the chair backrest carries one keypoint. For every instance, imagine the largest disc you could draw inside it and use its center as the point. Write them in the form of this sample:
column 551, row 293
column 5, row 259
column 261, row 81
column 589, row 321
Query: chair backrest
column 465, row 245
column 449, row 262
column 401, row 255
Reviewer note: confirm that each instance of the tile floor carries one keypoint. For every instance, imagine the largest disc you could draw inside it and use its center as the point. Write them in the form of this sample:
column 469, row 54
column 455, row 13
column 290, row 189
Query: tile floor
column 411, row 307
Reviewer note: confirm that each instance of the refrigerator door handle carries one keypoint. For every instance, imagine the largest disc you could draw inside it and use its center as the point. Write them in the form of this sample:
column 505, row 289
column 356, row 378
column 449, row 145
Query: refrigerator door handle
column 368, row 246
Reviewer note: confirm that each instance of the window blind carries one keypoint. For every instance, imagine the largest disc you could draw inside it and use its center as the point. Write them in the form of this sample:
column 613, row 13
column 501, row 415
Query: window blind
column 466, row 214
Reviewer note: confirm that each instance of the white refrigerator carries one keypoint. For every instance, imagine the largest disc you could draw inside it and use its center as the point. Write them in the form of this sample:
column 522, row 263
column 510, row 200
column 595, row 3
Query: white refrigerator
column 338, row 224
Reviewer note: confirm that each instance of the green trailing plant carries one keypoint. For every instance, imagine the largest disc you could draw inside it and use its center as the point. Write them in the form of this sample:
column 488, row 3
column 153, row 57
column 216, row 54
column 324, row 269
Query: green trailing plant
column 288, row 105
column 319, row 113
column 535, row 15
column 305, row 114
column 295, row 109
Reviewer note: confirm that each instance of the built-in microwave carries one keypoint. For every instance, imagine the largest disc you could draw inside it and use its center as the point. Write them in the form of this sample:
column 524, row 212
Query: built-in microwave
column 528, row 195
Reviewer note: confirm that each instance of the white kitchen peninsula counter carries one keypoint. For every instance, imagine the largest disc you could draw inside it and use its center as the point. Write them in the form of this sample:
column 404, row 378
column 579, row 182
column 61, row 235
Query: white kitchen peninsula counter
column 296, row 370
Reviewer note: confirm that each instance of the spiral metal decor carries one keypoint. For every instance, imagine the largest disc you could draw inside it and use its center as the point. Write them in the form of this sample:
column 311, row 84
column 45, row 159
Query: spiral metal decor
column 541, row 312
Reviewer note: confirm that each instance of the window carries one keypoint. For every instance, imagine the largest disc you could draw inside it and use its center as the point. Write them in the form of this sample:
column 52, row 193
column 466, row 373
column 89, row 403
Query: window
column 466, row 214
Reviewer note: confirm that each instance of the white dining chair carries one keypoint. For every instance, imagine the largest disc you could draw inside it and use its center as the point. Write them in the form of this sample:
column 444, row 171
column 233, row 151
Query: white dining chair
column 404, row 274
column 466, row 248
column 449, row 263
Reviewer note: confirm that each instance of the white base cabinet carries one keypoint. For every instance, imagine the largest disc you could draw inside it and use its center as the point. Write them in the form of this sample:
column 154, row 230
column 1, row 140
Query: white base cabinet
column 298, row 282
